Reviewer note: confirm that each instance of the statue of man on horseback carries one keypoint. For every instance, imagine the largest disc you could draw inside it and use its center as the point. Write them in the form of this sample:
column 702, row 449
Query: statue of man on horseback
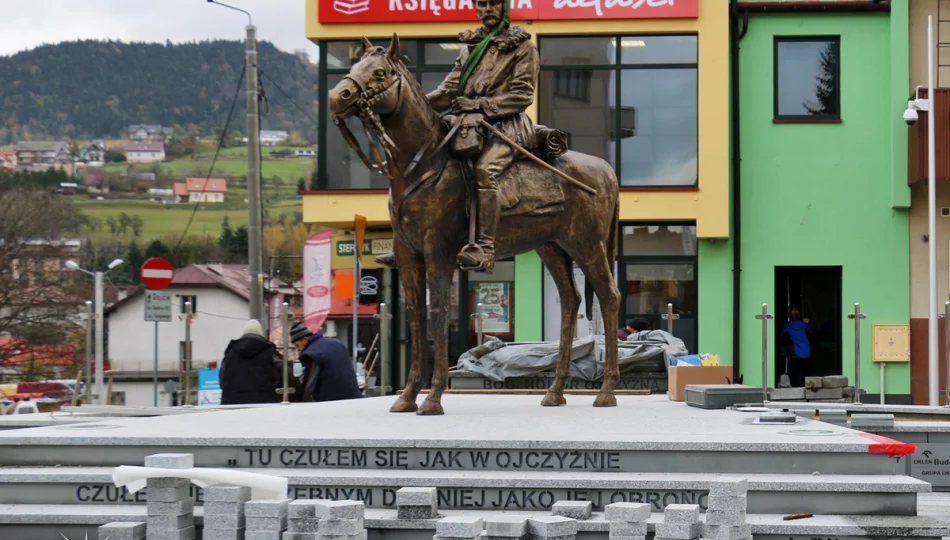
column 493, row 80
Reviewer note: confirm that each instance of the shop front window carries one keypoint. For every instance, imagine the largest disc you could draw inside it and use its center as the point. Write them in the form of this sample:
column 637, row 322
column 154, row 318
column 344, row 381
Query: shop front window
column 632, row 100
column 496, row 293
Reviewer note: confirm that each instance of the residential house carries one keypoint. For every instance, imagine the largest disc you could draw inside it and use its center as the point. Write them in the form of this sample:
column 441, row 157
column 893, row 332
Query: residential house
column 41, row 155
column 210, row 190
column 37, row 257
column 144, row 152
column 8, row 159
column 220, row 301
column 273, row 138
column 21, row 360
column 149, row 132
column 94, row 154
column 305, row 153
column 97, row 182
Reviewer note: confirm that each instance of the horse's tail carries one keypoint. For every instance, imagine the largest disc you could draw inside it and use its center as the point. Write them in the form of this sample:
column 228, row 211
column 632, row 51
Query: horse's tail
column 612, row 240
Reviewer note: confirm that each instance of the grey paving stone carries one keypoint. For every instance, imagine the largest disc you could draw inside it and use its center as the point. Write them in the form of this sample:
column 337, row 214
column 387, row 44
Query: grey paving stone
column 459, row 527
column 222, row 534
column 536, row 537
column 729, row 487
column 266, row 508
column 834, row 381
column 122, row 530
column 627, row 511
column 681, row 531
column 824, row 393
column 291, row 535
column 177, row 508
column 302, row 508
column 716, row 532
column 224, row 521
column 262, row 535
column 787, row 394
column 724, row 502
column 226, row 493
column 358, row 536
column 223, row 508
column 186, row 533
column 416, row 496
column 681, row 513
column 170, row 461
column 169, row 522
column 805, row 413
column 417, row 512
column 628, row 528
column 489, row 537
column 257, row 523
column 167, row 494
column 613, row 536
column 340, row 527
column 340, row 509
column 166, row 483
column 548, row 526
column 725, row 517
column 506, row 526
column 813, row 382
column 580, row 510
column 303, row 524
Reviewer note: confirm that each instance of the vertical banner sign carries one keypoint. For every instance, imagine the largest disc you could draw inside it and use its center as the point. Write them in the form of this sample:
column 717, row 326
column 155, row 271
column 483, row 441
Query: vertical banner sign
column 316, row 279
column 209, row 388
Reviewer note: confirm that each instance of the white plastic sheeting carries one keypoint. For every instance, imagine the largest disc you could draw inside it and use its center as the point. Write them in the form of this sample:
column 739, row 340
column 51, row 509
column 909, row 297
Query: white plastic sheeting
column 496, row 360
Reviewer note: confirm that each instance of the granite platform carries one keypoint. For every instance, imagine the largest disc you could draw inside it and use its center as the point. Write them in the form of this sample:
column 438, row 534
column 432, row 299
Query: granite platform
column 655, row 382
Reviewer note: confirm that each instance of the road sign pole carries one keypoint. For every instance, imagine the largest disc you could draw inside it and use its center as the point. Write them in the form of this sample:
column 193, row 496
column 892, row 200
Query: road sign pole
column 89, row 317
column 187, row 353
column 155, row 369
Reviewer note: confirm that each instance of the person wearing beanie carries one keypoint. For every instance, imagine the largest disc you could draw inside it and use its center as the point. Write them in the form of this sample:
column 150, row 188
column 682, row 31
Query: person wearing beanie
column 328, row 373
column 251, row 371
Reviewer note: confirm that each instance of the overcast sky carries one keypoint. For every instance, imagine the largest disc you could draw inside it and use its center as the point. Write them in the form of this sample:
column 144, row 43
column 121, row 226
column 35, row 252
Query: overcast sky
column 28, row 23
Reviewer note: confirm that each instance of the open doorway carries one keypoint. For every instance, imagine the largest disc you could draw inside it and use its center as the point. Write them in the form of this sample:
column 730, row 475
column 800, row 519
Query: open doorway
column 815, row 291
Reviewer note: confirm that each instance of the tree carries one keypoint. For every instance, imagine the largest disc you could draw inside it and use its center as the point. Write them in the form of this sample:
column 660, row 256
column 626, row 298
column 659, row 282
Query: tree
column 295, row 139
column 113, row 225
column 136, row 223
column 114, row 156
column 38, row 299
column 74, row 150
column 826, row 83
column 301, row 186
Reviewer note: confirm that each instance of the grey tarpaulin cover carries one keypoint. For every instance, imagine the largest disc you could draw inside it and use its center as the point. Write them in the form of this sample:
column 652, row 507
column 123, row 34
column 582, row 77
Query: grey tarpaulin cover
column 496, row 360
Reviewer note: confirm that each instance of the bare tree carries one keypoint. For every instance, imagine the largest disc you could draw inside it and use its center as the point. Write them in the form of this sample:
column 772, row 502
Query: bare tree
column 39, row 301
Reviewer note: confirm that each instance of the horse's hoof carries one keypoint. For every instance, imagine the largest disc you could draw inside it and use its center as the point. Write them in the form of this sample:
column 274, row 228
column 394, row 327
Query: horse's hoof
column 605, row 400
column 403, row 405
column 552, row 399
column 430, row 408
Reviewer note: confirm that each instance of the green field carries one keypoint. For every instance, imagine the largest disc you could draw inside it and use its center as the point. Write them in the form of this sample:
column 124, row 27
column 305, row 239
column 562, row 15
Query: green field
column 230, row 162
column 160, row 220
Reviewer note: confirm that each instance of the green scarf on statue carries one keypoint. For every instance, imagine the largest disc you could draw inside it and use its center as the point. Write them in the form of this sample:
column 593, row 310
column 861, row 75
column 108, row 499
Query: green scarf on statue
column 476, row 57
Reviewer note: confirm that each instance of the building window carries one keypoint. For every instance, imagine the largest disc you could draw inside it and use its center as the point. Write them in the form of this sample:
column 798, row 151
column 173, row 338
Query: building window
column 191, row 298
column 632, row 100
column 339, row 167
column 807, row 78
column 657, row 266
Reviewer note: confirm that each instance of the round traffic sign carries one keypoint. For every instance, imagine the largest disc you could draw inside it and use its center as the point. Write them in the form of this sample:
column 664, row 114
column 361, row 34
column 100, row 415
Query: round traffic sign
column 157, row 273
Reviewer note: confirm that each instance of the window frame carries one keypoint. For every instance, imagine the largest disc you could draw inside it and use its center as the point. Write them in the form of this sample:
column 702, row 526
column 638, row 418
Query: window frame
column 324, row 123
column 618, row 67
column 809, row 118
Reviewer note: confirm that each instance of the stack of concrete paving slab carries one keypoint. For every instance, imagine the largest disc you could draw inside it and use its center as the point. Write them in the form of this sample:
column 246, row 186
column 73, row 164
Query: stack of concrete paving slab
column 265, row 519
column 829, row 389
column 680, row 522
column 628, row 521
column 170, row 506
column 224, row 512
column 340, row 520
column 302, row 520
column 726, row 513
column 863, row 421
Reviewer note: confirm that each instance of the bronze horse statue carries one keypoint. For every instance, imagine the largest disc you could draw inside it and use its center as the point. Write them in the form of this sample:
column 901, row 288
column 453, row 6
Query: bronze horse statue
column 429, row 201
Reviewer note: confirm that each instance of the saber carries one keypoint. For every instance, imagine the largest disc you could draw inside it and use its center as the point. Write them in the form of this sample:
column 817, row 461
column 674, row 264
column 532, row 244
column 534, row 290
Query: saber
column 535, row 158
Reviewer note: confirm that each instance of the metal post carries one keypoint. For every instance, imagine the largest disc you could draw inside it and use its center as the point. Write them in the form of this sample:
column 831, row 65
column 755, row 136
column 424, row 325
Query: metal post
column 187, row 353
column 669, row 317
column 856, row 317
column 155, row 370
column 384, row 318
column 356, row 300
column 932, row 343
column 882, row 382
column 285, row 348
column 88, row 399
column 764, row 317
column 946, row 350
column 100, row 341
column 479, row 316
column 253, row 184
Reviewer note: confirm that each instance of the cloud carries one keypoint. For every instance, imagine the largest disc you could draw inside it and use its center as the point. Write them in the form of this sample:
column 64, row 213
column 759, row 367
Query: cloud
column 27, row 24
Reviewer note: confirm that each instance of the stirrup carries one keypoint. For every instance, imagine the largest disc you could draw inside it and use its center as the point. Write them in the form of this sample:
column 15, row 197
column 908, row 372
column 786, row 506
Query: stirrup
column 477, row 259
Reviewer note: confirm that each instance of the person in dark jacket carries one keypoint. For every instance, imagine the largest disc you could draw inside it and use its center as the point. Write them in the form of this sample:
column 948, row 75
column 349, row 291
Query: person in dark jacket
column 250, row 371
column 633, row 326
column 328, row 373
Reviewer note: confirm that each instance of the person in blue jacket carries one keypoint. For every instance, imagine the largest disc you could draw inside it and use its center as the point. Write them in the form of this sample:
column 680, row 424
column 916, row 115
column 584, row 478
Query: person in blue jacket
column 796, row 333
column 328, row 373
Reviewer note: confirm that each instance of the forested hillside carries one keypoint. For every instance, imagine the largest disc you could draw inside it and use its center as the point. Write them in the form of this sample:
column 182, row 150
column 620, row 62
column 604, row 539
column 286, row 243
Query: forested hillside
column 86, row 89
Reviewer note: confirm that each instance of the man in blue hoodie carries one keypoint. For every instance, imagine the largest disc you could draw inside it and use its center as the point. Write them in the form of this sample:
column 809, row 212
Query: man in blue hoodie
column 796, row 333
column 328, row 373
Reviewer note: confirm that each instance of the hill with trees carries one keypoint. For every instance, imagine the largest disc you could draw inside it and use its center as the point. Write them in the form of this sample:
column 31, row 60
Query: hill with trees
column 95, row 89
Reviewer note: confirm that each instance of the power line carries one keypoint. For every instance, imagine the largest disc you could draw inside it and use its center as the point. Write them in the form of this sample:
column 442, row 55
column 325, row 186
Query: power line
column 286, row 95
column 224, row 133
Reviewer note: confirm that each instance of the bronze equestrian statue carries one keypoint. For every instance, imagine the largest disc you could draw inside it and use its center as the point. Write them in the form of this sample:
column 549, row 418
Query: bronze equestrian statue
column 474, row 125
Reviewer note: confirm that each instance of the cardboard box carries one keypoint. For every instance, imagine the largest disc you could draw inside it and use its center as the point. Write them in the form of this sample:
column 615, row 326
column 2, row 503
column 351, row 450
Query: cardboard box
column 680, row 376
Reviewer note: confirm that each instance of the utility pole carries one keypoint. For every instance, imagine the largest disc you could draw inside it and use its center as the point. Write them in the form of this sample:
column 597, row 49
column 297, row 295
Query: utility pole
column 254, row 184
column 100, row 341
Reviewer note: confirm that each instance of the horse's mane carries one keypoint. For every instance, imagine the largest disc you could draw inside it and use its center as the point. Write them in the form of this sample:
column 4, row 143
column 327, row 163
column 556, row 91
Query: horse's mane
column 408, row 79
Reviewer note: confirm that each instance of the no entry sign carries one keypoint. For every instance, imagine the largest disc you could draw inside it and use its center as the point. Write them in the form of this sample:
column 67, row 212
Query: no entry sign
column 157, row 273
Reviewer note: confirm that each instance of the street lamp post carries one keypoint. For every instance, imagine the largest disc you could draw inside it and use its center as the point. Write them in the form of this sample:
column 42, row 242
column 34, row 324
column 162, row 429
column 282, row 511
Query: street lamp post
column 100, row 322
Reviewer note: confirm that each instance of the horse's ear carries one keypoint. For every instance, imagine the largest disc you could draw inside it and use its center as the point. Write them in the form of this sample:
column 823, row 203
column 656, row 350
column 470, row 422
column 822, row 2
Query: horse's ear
column 393, row 51
column 367, row 46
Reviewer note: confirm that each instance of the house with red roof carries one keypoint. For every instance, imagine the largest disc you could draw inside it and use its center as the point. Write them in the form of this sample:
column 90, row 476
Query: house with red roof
column 201, row 190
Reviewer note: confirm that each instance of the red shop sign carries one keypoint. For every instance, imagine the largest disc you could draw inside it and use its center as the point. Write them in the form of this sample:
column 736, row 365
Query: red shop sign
column 424, row 11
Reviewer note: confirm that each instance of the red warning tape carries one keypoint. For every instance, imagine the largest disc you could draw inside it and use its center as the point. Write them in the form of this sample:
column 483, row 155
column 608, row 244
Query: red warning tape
column 889, row 446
